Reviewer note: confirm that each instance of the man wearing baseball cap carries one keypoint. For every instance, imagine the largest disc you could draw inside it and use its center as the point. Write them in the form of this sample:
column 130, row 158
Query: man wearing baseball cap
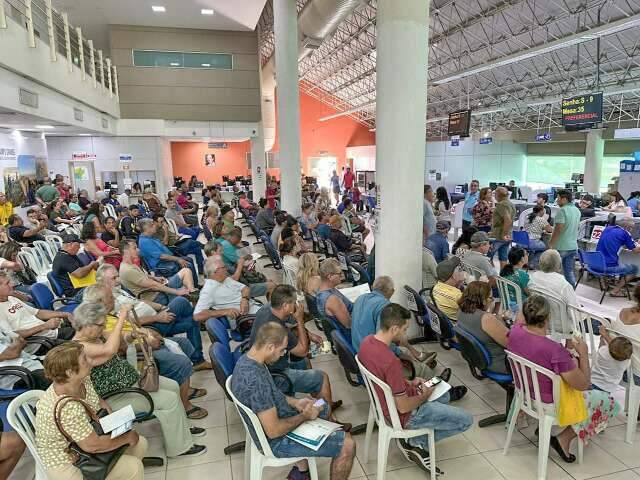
column 66, row 262
column 477, row 256
column 437, row 242
column 446, row 292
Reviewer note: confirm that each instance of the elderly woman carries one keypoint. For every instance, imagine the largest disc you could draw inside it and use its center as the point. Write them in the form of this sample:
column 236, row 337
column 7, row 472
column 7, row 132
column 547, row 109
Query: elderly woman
column 473, row 316
column 68, row 368
column 529, row 340
column 111, row 373
column 98, row 247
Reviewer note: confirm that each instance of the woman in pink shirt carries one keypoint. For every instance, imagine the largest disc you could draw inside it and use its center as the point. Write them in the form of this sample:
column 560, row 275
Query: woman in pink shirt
column 529, row 341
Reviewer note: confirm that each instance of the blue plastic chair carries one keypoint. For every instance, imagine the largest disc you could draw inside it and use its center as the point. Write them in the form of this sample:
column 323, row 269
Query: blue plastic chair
column 55, row 285
column 273, row 254
column 595, row 264
column 442, row 326
column 86, row 258
column 521, row 239
column 45, row 300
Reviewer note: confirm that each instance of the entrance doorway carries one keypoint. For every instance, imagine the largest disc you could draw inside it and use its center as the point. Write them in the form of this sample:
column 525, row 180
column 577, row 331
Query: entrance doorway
column 322, row 168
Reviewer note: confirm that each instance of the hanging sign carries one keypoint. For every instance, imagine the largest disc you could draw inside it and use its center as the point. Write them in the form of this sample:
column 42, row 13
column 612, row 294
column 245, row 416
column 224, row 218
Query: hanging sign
column 125, row 157
column 543, row 137
column 486, row 141
column 218, row 145
column 455, row 141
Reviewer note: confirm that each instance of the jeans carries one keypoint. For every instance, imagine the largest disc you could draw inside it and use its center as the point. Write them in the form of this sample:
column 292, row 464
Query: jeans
column 183, row 323
column 193, row 232
column 536, row 247
column 175, row 366
column 191, row 247
column 568, row 264
column 444, row 419
column 502, row 247
column 167, row 268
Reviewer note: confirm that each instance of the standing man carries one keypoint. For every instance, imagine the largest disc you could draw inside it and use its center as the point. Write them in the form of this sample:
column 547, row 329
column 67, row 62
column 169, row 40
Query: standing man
column 502, row 226
column 349, row 179
column 428, row 218
column 470, row 200
column 335, row 186
column 564, row 238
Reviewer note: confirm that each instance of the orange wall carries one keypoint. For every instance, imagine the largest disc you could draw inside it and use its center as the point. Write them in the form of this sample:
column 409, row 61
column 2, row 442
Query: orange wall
column 332, row 136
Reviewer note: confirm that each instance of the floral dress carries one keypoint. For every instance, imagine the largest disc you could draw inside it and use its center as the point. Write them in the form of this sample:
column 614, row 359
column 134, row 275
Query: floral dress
column 601, row 407
column 482, row 214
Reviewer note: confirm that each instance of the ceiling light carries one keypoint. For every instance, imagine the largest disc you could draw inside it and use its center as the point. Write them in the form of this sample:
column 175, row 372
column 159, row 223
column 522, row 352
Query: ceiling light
column 486, row 134
column 174, row 64
column 158, row 8
column 84, row 134
column 206, row 11
column 44, row 127
column 206, row 64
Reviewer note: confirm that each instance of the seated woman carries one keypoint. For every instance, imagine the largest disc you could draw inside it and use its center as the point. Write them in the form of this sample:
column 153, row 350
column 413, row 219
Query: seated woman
column 74, row 205
column 111, row 234
column 94, row 216
column 476, row 299
column 68, row 367
column 57, row 213
column 289, row 255
column 209, row 221
column 98, row 248
column 112, row 199
column 323, row 202
column 536, row 225
column 21, row 280
column 308, row 220
column 628, row 323
column 111, row 373
column 308, row 276
column 292, row 229
column 618, row 203
column 152, row 201
column 529, row 340
column 515, row 272
column 463, row 244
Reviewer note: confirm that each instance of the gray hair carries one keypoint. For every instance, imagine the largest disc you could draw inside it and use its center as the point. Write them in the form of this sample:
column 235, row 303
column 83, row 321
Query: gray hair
column 213, row 263
column 550, row 261
column 625, row 222
column 94, row 294
column 384, row 285
column 87, row 314
column 102, row 269
column 144, row 223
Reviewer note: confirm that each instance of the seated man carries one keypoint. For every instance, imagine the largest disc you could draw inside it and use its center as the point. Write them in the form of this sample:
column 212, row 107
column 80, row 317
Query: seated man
column 221, row 293
column 340, row 240
column 357, row 224
column 365, row 321
column 612, row 240
column 265, row 220
column 129, row 223
column 22, row 234
column 285, row 310
column 155, row 289
column 157, row 256
column 437, row 242
column 245, row 204
column 411, row 398
column 323, row 228
column 185, row 206
column 183, row 227
column 26, row 321
column 184, row 246
column 542, row 199
column 332, row 304
column 446, row 292
column 172, row 319
column 477, row 256
column 586, row 207
column 254, row 387
column 34, row 218
column 66, row 262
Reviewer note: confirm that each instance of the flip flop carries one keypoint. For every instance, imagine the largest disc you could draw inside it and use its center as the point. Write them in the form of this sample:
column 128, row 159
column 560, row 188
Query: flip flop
column 196, row 413
column 197, row 393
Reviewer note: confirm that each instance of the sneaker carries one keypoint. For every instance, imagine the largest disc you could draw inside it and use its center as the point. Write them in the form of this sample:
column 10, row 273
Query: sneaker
column 416, row 455
column 296, row 474
column 194, row 451
column 198, row 431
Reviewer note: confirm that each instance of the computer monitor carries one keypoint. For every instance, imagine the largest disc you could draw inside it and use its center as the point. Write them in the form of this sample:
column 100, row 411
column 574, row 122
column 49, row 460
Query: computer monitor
column 458, row 189
column 493, row 185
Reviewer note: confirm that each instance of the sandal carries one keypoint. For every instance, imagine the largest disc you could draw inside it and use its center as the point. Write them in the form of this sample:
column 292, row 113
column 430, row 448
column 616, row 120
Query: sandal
column 197, row 393
column 618, row 295
column 558, row 448
column 196, row 413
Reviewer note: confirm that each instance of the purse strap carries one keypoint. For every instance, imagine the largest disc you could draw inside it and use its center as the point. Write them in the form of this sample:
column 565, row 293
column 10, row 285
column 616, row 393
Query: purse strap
column 147, row 351
column 57, row 408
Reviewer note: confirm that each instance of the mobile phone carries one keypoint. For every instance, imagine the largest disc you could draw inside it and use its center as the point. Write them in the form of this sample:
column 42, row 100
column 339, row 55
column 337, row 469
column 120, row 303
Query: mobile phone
column 434, row 381
column 319, row 403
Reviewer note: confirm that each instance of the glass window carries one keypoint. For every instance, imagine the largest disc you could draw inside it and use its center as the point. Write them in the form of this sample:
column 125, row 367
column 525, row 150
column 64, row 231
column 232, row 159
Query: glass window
column 557, row 170
column 153, row 58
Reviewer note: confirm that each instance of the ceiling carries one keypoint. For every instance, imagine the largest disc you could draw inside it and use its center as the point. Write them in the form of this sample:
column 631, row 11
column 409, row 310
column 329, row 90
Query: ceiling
column 94, row 16
column 10, row 120
column 478, row 53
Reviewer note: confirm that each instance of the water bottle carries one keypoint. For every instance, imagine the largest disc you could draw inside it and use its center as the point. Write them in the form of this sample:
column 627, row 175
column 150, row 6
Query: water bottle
column 132, row 356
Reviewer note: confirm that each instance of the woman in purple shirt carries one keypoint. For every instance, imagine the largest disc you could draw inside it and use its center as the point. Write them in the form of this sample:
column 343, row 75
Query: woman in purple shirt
column 529, row 341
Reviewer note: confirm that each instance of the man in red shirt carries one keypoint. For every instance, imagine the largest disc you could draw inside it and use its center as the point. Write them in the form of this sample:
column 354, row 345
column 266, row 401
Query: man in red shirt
column 411, row 397
column 348, row 180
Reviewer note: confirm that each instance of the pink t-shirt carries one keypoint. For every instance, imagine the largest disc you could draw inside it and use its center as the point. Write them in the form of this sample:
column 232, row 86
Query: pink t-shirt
column 542, row 351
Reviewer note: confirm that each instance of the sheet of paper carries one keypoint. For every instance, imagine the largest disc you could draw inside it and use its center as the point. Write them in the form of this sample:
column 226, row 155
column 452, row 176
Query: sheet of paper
column 255, row 256
column 441, row 388
column 352, row 293
column 117, row 419
column 122, row 429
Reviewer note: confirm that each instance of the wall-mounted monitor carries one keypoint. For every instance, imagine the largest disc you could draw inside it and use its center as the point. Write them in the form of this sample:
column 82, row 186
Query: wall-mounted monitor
column 582, row 111
column 459, row 123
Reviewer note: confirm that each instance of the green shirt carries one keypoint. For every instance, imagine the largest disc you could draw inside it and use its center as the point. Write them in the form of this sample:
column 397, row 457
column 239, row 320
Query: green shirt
column 229, row 252
column 569, row 216
column 48, row 193
column 503, row 208
column 521, row 278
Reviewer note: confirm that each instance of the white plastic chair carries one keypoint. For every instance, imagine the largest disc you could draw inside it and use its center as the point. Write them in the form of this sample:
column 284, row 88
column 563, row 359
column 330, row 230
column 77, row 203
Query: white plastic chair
column 475, row 272
column 526, row 377
column 583, row 323
column 55, row 243
column 109, row 211
column 561, row 323
column 21, row 415
column 458, row 213
column 252, row 456
column 288, row 275
column 388, row 432
column 172, row 226
column 45, row 251
column 504, row 287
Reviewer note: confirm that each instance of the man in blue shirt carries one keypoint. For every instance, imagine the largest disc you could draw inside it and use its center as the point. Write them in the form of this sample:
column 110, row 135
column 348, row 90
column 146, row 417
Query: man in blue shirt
column 437, row 242
column 470, row 200
column 632, row 203
column 323, row 228
column 158, row 257
column 613, row 238
column 365, row 320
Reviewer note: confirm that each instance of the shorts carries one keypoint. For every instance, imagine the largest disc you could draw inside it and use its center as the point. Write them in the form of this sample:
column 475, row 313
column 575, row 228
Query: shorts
column 257, row 289
column 305, row 381
column 336, row 189
column 284, row 447
column 502, row 247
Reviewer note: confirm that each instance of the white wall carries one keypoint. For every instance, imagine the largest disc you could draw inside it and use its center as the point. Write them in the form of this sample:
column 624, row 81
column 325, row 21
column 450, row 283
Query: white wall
column 23, row 145
column 149, row 153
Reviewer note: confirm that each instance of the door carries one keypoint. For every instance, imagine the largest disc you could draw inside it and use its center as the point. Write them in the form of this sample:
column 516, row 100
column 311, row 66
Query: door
column 322, row 168
column 83, row 176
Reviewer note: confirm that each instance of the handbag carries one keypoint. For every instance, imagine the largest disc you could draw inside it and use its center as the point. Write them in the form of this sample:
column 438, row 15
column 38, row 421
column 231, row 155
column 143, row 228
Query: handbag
column 571, row 409
column 149, row 376
column 94, row 466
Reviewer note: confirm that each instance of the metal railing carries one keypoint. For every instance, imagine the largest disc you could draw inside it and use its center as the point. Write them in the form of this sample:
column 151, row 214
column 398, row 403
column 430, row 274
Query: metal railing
column 51, row 27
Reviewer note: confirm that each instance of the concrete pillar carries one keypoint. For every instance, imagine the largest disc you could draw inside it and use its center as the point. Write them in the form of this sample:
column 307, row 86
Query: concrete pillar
column 258, row 165
column 593, row 158
column 401, row 105
column 285, row 25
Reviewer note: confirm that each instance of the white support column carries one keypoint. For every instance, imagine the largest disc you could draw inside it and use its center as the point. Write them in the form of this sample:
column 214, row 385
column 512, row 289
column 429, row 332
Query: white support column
column 286, row 47
column 101, row 67
column 3, row 17
column 50, row 32
column 108, row 61
column 92, row 59
column 258, row 165
column 67, row 40
column 28, row 13
column 81, row 52
column 593, row 158
column 115, row 81
column 401, row 104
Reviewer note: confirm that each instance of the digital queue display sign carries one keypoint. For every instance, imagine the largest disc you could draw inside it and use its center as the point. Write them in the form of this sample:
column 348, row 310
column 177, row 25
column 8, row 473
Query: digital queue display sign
column 582, row 110
column 459, row 123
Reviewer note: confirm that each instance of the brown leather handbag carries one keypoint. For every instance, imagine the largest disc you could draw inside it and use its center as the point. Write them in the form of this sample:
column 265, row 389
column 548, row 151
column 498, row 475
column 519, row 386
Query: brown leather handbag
column 149, row 376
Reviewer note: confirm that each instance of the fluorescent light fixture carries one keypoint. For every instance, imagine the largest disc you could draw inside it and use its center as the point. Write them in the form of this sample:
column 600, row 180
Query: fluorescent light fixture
column 205, row 64
column 84, row 134
column 174, row 64
column 17, row 133
column 44, row 127
column 158, row 8
column 364, row 106
column 486, row 134
column 206, row 11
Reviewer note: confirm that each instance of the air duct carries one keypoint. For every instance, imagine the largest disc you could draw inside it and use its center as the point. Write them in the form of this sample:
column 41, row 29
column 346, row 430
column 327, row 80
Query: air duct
column 316, row 22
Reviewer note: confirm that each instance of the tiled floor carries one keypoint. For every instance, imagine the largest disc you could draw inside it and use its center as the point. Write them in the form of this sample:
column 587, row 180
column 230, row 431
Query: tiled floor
column 475, row 454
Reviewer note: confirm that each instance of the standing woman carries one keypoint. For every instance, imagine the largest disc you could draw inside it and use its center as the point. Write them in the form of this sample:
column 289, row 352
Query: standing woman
column 442, row 207
column 483, row 211
column 335, row 186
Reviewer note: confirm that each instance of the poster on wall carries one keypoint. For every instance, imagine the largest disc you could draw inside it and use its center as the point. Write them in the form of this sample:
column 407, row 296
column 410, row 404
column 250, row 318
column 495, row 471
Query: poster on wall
column 14, row 189
column 27, row 166
column 41, row 168
column 209, row 160
column 80, row 173
column 7, row 154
